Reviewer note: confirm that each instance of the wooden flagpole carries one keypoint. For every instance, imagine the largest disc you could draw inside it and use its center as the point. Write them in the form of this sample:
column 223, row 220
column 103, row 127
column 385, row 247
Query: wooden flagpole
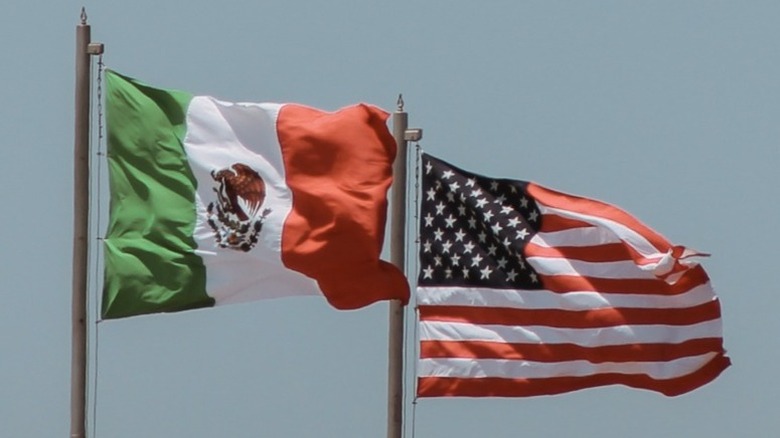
column 84, row 49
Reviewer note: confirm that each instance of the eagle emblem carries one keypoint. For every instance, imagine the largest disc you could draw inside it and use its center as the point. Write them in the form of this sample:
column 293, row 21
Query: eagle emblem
column 236, row 215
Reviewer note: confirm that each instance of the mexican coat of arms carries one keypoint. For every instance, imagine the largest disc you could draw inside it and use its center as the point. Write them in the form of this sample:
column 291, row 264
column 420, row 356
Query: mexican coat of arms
column 236, row 216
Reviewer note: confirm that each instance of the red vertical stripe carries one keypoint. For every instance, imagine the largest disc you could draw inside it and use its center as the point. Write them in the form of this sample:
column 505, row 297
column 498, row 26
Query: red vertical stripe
column 338, row 167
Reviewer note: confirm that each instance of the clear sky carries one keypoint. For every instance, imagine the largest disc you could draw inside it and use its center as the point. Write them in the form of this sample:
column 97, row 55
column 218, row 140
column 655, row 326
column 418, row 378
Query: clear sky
column 669, row 109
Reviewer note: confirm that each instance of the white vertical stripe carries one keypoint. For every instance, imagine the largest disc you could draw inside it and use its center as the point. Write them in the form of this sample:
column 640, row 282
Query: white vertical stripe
column 220, row 134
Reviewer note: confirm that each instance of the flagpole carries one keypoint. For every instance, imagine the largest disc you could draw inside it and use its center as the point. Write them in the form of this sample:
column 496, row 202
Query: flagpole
column 397, row 257
column 78, row 389
column 402, row 135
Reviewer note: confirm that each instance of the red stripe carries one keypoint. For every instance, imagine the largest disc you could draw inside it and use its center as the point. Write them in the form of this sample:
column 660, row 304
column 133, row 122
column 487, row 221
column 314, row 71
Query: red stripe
column 568, row 283
column 568, row 352
column 552, row 223
column 595, row 318
column 339, row 166
column 608, row 252
column 592, row 207
column 498, row 387
column 597, row 253
column 676, row 269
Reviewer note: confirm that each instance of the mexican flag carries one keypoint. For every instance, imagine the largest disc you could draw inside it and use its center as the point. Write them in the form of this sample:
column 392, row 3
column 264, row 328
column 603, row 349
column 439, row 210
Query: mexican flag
column 215, row 202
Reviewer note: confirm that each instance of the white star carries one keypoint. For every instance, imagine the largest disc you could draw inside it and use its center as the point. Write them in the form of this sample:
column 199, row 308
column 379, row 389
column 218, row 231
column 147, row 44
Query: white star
column 454, row 186
column 522, row 234
column 510, row 276
column 459, row 235
column 450, row 196
column 492, row 249
column 465, row 273
column 450, row 221
column 499, row 200
column 506, row 242
column 437, row 184
column 447, row 174
column 496, row 228
column 494, row 185
column 448, row 273
column 481, row 202
column 437, row 235
column 476, row 192
column 428, row 220
column 486, row 273
column 445, row 247
column 455, row 260
column 488, row 215
column 427, row 272
column 440, row 208
column 467, row 248
column 472, row 223
column 533, row 216
column 428, row 167
column 521, row 262
column 524, row 202
column 506, row 209
column 431, row 194
column 461, row 210
column 482, row 236
column 470, row 182
column 437, row 260
column 462, row 197
column 476, row 260
column 534, row 278
column 502, row 262
column 427, row 246
column 513, row 222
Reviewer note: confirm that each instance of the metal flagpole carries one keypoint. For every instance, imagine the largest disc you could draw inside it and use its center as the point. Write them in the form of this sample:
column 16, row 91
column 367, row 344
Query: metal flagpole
column 402, row 134
column 78, row 389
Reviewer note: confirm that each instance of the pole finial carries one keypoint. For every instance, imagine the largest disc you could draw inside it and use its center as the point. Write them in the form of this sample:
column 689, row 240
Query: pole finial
column 400, row 103
column 83, row 16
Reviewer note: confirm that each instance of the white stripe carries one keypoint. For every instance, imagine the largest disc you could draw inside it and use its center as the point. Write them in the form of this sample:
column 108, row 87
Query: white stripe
column 578, row 237
column 594, row 236
column 587, row 337
column 560, row 266
column 220, row 134
column 636, row 240
column 523, row 369
column 545, row 299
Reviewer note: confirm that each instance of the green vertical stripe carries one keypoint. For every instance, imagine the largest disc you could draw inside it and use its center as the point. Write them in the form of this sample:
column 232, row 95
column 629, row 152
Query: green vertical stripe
column 150, row 264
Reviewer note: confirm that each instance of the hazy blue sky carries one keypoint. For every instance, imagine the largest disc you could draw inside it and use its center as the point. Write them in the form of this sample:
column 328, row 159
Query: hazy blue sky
column 669, row 109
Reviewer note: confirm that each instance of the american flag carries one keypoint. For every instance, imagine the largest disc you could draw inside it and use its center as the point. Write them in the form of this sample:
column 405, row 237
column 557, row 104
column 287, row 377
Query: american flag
column 525, row 291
